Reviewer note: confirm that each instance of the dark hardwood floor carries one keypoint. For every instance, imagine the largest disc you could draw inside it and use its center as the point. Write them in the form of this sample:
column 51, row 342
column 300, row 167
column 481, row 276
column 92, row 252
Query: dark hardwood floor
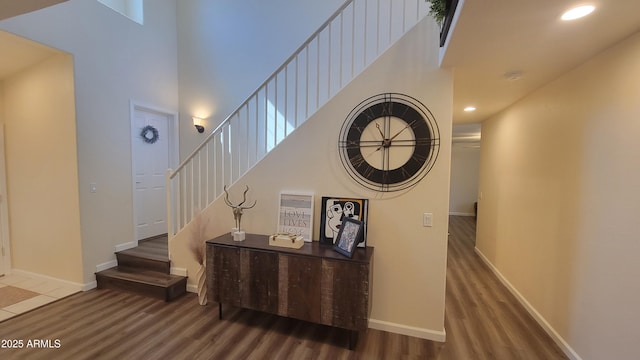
column 483, row 321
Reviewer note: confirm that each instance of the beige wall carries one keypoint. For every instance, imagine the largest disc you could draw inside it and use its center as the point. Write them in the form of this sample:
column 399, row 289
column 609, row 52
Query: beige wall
column 1, row 102
column 42, row 170
column 465, row 169
column 560, row 200
column 410, row 260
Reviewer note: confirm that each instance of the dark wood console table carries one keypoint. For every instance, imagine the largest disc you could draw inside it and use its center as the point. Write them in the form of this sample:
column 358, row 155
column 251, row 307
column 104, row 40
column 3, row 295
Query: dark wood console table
column 313, row 283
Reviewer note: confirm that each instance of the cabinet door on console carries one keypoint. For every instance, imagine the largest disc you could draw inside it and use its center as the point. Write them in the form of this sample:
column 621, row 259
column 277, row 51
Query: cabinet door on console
column 300, row 287
column 225, row 283
column 259, row 280
column 345, row 290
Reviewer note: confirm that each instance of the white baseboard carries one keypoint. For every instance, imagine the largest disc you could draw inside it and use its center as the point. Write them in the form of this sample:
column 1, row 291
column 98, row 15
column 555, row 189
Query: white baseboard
column 89, row 286
column 107, row 265
column 192, row 288
column 564, row 346
column 126, row 246
column 428, row 334
column 61, row 282
column 178, row 271
column 461, row 213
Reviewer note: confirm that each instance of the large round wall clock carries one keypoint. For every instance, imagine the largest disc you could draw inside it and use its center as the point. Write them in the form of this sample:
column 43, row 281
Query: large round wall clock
column 389, row 142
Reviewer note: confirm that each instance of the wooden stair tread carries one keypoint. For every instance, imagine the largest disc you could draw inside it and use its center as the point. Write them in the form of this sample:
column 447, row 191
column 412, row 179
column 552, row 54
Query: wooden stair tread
column 145, row 270
column 148, row 277
column 146, row 254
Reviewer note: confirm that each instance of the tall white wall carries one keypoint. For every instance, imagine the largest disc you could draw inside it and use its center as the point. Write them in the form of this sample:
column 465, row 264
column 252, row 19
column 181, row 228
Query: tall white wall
column 559, row 214
column 227, row 48
column 410, row 260
column 115, row 60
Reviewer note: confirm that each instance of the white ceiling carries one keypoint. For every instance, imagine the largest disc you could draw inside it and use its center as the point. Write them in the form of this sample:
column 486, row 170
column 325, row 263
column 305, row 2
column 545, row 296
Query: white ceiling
column 494, row 37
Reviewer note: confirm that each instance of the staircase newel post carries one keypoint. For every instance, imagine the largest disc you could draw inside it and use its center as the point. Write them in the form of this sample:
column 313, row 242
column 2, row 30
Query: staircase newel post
column 169, row 219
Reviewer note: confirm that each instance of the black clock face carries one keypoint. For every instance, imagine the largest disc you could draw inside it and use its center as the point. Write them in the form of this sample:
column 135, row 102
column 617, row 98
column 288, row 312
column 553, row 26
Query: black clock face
column 389, row 142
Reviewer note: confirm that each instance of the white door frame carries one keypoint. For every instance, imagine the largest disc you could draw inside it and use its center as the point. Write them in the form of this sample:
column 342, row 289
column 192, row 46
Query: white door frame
column 5, row 243
column 173, row 138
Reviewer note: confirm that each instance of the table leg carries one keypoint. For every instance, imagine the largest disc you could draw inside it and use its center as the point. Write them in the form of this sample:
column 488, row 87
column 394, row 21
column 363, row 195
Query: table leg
column 353, row 339
column 220, row 310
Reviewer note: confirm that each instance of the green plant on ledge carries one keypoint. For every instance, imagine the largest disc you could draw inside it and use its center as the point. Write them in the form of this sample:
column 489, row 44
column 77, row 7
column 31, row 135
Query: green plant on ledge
column 438, row 10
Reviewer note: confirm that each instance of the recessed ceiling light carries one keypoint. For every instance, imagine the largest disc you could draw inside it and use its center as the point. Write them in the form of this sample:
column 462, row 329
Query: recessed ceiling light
column 578, row 12
column 470, row 108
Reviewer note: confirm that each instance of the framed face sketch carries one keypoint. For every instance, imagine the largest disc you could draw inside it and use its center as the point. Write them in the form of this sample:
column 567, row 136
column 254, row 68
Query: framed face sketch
column 335, row 209
column 348, row 236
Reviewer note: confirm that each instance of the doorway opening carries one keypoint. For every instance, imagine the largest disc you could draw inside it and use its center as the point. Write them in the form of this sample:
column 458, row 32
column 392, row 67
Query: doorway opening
column 154, row 149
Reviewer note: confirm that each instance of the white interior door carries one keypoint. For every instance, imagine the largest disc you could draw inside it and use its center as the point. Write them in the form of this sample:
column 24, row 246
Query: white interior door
column 150, row 163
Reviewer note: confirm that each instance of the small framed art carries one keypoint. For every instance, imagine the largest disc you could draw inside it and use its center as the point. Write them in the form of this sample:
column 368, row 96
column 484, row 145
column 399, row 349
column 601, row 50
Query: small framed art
column 295, row 215
column 349, row 236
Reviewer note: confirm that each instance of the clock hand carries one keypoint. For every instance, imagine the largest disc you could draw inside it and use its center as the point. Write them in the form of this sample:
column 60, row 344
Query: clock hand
column 380, row 131
column 374, row 151
column 387, row 142
column 384, row 141
column 401, row 130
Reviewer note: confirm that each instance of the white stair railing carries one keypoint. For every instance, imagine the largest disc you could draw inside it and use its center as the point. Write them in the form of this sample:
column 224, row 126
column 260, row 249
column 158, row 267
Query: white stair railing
column 351, row 39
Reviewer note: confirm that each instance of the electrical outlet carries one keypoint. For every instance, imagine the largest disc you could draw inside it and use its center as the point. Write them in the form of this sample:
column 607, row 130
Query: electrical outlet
column 93, row 188
column 427, row 219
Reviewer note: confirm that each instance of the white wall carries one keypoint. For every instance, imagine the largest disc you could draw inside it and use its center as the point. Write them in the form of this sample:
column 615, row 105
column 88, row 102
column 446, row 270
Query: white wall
column 42, row 170
column 115, row 60
column 465, row 170
column 410, row 260
column 227, row 48
column 559, row 214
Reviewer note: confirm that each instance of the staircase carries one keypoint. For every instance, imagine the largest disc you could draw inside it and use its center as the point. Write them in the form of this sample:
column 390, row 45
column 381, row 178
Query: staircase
column 346, row 44
column 144, row 270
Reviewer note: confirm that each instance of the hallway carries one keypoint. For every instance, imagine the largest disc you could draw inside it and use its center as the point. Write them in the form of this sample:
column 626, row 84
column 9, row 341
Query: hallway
column 483, row 320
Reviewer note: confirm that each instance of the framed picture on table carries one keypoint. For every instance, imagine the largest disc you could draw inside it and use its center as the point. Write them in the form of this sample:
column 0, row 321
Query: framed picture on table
column 349, row 236
column 295, row 215
column 334, row 209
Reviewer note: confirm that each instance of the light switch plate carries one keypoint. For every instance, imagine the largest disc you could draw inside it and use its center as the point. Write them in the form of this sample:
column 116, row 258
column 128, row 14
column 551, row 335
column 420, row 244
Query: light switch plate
column 427, row 219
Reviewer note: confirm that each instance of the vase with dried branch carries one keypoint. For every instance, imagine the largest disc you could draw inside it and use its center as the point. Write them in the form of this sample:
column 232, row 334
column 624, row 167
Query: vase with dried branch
column 197, row 246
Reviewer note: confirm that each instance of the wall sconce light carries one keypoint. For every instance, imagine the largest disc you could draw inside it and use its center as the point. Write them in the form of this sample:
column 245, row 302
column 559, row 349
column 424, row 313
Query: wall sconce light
column 197, row 122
